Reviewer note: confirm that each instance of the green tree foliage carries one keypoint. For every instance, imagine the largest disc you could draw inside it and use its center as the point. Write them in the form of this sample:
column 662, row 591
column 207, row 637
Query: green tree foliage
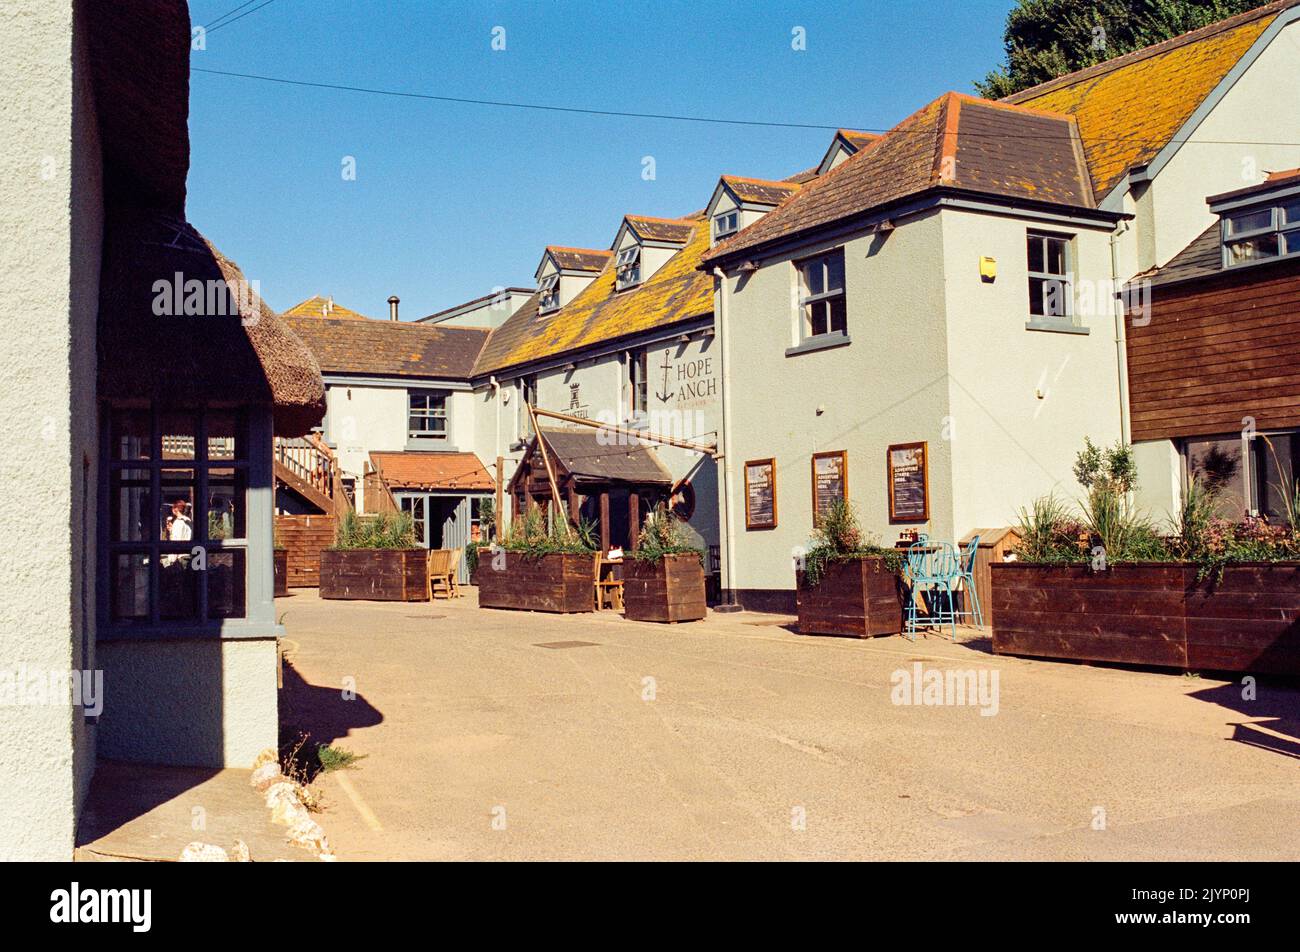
column 1049, row 38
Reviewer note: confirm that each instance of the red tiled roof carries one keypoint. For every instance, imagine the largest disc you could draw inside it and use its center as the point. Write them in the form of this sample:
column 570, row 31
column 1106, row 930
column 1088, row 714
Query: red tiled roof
column 676, row 230
column 578, row 259
column 759, row 191
column 955, row 141
column 432, row 471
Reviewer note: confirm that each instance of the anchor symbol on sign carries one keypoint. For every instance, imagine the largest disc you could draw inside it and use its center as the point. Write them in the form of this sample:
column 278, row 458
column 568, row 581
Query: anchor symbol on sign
column 666, row 395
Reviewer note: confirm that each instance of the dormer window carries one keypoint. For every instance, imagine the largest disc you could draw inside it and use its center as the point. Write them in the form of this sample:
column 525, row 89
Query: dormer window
column 726, row 224
column 550, row 294
column 1261, row 233
column 628, row 267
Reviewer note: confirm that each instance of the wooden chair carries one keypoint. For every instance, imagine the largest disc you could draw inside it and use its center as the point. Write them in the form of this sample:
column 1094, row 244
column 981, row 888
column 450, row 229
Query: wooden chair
column 441, row 579
column 609, row 588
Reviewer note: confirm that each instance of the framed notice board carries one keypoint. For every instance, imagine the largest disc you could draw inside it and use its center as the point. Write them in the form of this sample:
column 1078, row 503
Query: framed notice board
column 907, row 465
column 830, row 482
column 760, row 494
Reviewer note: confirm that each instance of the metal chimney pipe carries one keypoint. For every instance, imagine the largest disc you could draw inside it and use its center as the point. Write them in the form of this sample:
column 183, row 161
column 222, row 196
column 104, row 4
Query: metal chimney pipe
column 392, row 307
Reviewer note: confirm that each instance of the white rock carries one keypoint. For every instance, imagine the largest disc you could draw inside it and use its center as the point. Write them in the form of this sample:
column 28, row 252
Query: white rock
column 264, row 776
column 197, row 852
column 239, row 853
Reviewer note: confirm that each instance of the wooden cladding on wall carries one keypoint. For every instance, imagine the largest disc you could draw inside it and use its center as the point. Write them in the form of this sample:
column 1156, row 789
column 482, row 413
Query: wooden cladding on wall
column 1216, row 352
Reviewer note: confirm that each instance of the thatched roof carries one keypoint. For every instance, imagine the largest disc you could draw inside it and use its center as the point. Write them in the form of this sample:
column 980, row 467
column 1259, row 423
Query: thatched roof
column 237, row 352
column 234, row 351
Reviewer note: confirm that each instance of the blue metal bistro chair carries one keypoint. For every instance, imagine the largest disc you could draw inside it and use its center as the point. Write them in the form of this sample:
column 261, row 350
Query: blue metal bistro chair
column 934, row 572
column 970, row 595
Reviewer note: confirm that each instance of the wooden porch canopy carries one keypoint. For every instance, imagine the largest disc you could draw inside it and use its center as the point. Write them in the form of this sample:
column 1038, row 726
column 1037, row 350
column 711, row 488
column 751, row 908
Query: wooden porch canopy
column 592, row 463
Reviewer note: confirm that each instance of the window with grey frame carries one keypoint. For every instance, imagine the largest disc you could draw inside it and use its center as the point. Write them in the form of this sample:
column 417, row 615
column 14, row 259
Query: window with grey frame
column 1261, row 233
column 627, row 267
column 822, row 306
column 426, row 414
column 1051, row 280
column 1246, row 474
column 550, row 294
column 726, row 224
column 638, row 372
column 176, row 546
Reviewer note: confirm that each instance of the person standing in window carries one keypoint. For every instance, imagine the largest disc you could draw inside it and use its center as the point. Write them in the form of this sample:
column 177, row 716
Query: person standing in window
column 178, row 528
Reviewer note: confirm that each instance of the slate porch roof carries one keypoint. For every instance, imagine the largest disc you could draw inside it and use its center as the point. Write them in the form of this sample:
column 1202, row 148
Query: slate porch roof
column 581, row 453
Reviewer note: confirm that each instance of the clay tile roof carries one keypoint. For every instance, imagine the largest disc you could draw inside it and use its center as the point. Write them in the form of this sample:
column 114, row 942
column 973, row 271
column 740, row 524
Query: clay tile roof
column 578, row 259
column 759, row 191
column 391, row 348
column 678, row 291
column 432, row 470
column 955, row 141
column 676, row 230
column 320, row 306
column 1130, row 107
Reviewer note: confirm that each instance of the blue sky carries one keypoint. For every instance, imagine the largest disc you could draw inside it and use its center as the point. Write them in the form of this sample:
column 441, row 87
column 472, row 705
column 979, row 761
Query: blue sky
column 450, row 200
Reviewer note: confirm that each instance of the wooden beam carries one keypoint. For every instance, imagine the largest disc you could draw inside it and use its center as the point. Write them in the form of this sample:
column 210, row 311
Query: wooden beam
column 633, row 519
column 604, row 520
column 546, row 460
column 710, row 448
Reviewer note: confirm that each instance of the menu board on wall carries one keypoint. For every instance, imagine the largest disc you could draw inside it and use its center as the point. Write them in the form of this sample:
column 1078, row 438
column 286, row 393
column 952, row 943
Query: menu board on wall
column 909, row 483
column 830, row 481
column 760, row 494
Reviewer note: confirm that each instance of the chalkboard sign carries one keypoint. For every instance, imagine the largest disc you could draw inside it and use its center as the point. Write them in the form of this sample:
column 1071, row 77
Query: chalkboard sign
column 909, row 483
column 830, row 482
column 760, row 494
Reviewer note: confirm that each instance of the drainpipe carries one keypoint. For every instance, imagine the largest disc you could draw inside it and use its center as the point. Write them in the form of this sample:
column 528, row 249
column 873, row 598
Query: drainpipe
column 1121, row 338
column 729, row 603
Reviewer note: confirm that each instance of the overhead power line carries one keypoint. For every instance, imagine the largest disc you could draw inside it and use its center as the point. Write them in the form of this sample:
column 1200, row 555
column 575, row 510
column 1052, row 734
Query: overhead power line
column 218, row 23
column 544, row 107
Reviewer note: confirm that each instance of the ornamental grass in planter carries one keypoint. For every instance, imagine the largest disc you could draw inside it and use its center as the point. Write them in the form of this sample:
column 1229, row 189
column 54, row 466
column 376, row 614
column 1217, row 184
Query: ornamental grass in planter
column 663, row 579
column 848, row 585
column 1103, row 582
column 375, row 557
column 538, row 568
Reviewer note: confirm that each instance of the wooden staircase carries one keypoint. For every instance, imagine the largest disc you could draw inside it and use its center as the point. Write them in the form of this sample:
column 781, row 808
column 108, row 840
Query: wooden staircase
column 307, row 466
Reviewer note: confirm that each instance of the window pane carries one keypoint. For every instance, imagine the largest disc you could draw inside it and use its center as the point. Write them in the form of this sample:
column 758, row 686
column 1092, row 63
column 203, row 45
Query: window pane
column 1055, row 256
column 176, row 512
column 817, row 317
column 814, row 277
column 226, row 436
column 1250, row 221
column 1036, row 295
column 835, row 271
column 129, row 586
column 130, row 505
column 1056, row 298
column 1275, row 474
column 227, row 504
column 178, row 435
column 129, row 434
column 1216, row 466
column 178, row 588
column 1036, row 259
column 838, row 321
column 1253, row 249
column 227, row 583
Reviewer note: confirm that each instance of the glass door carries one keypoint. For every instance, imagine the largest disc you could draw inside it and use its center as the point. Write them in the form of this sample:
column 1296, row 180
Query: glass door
column 417, row 507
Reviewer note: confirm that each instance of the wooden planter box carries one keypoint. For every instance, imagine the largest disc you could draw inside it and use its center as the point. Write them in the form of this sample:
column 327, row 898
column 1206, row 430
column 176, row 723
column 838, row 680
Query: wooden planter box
column 281, row 562
column 556, row 582
column 382, row 575
column 670, row 590
column 860, row 598
column 1152, row 614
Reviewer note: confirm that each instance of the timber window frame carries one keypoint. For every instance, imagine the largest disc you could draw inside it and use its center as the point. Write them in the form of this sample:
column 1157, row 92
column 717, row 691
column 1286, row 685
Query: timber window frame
column 636, row 379
column 153, row 582
column 428, row 415
column 1050, row 266
column 823, row 303
column 627, row 267
column 1260, row 233
column 726, row 224
column 550, row 294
